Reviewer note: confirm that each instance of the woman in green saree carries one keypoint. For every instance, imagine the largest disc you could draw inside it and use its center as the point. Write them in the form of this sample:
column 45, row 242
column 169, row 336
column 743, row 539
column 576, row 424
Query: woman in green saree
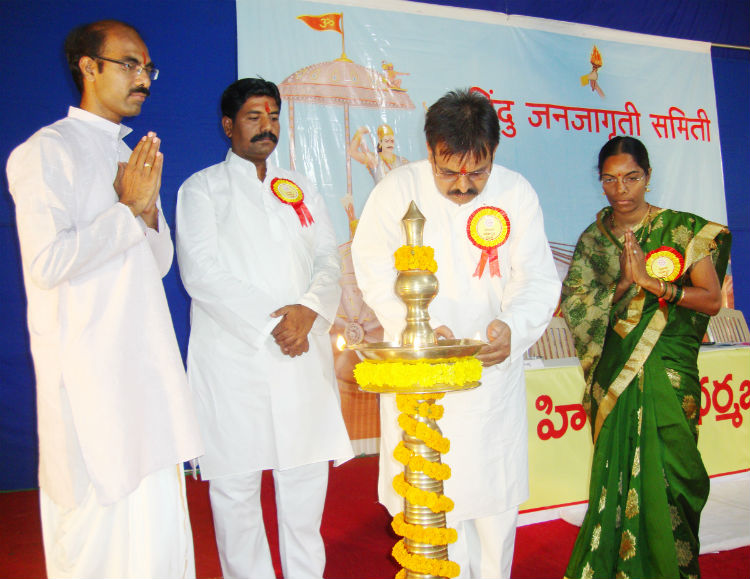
column 640, row 289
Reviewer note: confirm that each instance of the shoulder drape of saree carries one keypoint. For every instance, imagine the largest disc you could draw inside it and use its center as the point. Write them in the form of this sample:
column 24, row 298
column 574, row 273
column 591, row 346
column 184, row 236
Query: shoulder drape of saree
column 633, row 365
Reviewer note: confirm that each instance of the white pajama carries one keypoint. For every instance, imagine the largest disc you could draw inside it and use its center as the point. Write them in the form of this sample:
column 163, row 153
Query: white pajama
column 243, row 254
column 145, row 534
column 240, row 533
column 484, row 548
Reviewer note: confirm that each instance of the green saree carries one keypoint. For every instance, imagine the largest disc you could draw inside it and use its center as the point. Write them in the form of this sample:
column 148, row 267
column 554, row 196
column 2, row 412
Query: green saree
column 639, row 357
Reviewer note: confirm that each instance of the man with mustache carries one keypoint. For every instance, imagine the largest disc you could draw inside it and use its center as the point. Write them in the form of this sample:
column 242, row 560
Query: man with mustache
column 497, row 282
column 258, row 257
column 115, row 415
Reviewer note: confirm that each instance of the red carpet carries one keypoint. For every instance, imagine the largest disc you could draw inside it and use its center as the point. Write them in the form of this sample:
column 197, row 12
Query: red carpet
column 356, row 530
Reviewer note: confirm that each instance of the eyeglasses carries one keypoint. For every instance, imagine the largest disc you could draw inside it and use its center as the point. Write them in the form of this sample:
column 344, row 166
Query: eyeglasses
column 627, row 180
column 451, row 176
column 133, row 68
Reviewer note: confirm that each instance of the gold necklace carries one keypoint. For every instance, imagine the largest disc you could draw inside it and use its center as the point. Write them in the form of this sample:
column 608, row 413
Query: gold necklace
column 638, row 225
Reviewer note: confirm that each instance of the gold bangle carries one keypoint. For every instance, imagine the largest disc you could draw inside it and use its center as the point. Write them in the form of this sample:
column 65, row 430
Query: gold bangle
column 662, row 288
column 682, row 295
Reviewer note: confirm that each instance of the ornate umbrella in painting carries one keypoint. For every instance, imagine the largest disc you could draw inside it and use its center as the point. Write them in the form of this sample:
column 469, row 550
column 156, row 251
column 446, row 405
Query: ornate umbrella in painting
column 341, row 83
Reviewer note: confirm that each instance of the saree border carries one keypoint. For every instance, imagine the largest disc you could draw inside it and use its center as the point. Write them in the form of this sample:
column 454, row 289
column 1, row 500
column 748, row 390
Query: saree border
column 634, row 364
column 699, row 246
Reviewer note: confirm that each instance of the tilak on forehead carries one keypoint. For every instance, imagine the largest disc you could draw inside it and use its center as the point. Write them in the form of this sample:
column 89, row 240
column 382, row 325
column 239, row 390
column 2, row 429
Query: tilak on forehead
column 268, row 107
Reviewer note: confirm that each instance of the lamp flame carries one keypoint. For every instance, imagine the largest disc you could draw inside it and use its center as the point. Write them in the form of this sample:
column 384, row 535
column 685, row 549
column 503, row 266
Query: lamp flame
column 340, row 343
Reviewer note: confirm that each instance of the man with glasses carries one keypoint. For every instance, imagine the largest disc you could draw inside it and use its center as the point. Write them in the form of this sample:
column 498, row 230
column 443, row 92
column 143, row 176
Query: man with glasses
column 497, row 282
column 115, row 416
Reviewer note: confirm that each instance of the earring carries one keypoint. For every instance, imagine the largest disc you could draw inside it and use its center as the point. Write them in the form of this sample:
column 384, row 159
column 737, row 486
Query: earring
column 648, row 188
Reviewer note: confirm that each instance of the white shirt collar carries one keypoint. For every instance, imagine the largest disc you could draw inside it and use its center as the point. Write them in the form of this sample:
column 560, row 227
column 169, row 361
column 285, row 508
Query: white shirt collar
column 116, row 130
column 234, row 159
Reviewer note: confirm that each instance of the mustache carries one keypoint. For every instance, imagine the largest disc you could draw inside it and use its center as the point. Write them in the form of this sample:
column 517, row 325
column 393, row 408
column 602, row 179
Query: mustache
column 265, row 135
column 469, row 191
column 141, row 89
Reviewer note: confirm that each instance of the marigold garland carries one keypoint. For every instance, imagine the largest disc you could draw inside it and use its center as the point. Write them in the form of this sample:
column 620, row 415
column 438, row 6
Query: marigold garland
column 389, row 375
column 421, row 534
column 372, row 374
column 419, row 564
column 415, row 404
column 415, row 462
column 433, row 501
column 419, row 257
column 430, row 437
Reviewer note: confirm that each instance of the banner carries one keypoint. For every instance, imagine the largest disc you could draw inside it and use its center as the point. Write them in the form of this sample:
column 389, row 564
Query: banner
column 355, row 99
column 561, row 91
column 560, row 447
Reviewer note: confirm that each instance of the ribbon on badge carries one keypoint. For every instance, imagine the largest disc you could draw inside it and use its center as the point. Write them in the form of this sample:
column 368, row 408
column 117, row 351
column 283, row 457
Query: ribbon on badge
column 288, row 192
column 488, row 228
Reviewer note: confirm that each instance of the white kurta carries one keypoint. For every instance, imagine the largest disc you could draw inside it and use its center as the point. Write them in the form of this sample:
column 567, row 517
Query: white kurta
column 243, row 254
column 113, row 403
column 487, row 425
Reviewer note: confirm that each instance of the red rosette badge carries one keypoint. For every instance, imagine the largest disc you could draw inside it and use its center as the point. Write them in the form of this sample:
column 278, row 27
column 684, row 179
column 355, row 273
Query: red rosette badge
column 287, row 191
column 488, row 228
column 665, row 263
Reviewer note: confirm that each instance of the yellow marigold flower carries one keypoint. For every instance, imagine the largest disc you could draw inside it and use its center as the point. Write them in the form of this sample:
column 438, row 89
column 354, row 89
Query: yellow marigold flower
column 415, row 257
column 374, row 374
column 415, row 404
column 416, row 463
column 433, row 501
column 430, row 437
column 422, row 534
column 423, row 565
